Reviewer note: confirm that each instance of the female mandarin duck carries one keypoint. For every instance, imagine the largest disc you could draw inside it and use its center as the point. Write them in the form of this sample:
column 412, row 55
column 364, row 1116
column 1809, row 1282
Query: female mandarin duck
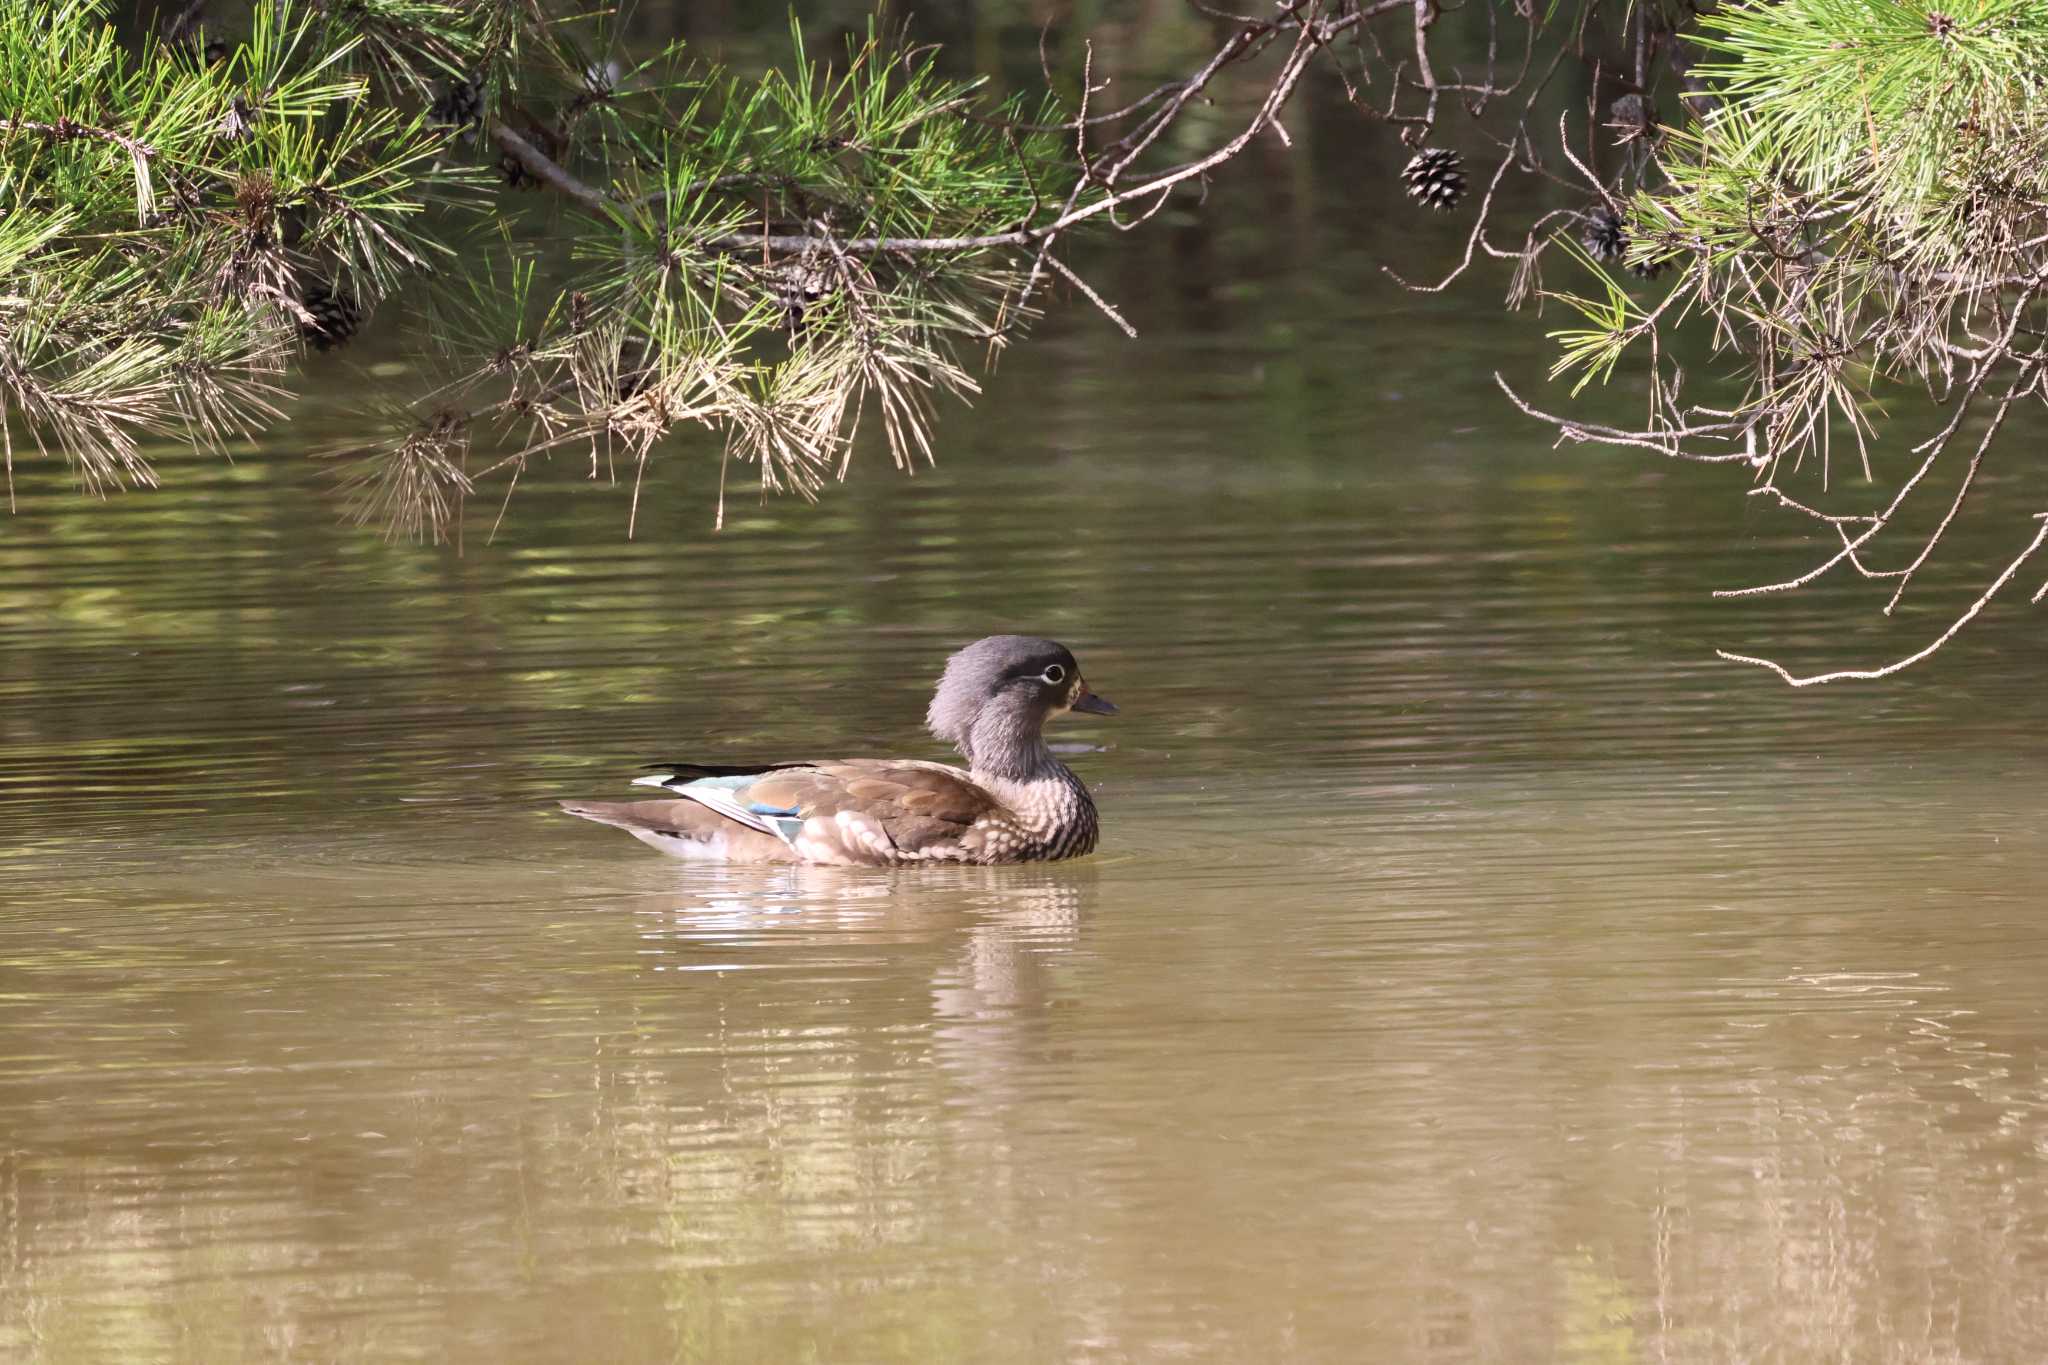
column 1013, row 803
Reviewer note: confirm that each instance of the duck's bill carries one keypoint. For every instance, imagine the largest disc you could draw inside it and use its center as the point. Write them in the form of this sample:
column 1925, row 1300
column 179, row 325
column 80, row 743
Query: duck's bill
column 1093, row 705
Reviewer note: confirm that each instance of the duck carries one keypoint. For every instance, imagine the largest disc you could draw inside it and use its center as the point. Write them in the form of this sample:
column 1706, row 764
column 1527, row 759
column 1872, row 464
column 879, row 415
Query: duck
column 1012, row 802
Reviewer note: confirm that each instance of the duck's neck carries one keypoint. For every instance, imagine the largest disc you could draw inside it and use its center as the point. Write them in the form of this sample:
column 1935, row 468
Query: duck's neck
column 1008, row 758
column 1049, row 802
column 1009, row 746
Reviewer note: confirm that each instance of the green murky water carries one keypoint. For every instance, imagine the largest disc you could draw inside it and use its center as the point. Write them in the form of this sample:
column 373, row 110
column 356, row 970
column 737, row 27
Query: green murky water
column 1474, row 969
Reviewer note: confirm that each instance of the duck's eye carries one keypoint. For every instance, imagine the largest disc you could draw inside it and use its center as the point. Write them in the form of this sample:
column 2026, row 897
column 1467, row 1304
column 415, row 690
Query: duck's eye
column 1054, row 674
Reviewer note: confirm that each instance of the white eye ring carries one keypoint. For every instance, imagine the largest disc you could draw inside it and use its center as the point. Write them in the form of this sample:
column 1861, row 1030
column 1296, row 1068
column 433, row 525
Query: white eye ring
column 1054, row 674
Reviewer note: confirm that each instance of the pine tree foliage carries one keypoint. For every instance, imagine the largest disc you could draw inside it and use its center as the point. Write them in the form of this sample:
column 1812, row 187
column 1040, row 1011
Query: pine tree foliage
column 181, row 219
column 1860, row 202
column 160, row 216
column 726, row 275
column 599, row 247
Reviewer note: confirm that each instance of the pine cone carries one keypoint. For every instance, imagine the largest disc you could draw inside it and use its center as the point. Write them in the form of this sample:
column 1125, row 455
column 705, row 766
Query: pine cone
column 1631, row 118
column 1434, row 178
column 461, row 106
column 336, row 316
column 799, row 284
column 1605, row 238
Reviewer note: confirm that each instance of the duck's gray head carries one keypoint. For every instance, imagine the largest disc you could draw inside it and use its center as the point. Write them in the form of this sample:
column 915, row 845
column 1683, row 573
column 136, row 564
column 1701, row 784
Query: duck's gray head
column 996, row 696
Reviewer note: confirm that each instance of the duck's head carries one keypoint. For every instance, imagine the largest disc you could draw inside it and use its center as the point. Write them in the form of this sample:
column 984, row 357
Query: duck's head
column 996, row 695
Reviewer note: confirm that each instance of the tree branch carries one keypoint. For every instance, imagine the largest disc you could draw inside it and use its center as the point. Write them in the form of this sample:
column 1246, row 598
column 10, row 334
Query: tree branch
column 1899, row 665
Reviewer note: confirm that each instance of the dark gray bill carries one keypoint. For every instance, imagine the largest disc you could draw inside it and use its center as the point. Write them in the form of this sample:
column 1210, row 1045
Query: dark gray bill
column 1093, row 705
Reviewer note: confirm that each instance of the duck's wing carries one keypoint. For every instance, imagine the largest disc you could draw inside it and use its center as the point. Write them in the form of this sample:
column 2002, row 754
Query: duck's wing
column 846, row 811
column 686, row 829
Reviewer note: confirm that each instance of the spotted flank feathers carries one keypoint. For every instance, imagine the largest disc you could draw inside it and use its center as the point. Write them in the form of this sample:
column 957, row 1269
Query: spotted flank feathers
column 1014, row 802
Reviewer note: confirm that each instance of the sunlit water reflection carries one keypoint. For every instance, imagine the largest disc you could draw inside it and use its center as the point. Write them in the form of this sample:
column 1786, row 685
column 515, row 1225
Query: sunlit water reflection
column 1474, row 969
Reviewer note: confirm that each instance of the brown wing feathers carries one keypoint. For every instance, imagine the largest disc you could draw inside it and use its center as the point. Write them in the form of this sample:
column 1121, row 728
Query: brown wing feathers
column 917, row 806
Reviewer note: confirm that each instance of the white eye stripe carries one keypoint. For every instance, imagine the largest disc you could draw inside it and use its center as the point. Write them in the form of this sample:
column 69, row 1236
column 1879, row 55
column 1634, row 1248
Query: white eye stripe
column 1054, row 674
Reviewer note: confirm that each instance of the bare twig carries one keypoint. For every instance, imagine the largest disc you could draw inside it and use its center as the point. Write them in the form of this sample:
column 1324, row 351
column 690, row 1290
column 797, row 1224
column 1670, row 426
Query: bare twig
column 1899, row 665
column 1664, row 442
column 2026, row 379
column 1071, row 278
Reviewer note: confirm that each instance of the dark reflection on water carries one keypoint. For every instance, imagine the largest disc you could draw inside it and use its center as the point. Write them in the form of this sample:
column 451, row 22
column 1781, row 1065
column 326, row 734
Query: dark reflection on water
column 1474, row 969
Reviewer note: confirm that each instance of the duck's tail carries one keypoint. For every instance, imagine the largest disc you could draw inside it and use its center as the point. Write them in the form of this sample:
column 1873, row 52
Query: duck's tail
column 685, row 829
